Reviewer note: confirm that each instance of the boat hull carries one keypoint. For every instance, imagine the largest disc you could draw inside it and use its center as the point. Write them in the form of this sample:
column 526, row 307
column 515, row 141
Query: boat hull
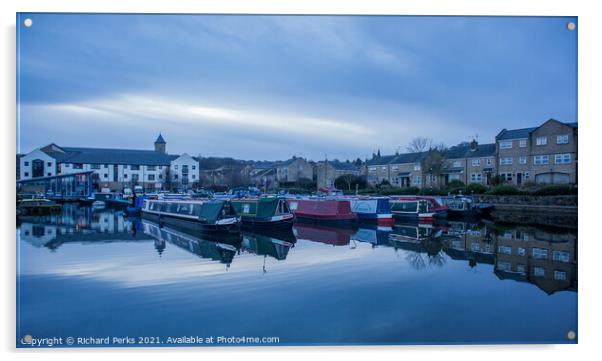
column 191, row 225
column 279, row 222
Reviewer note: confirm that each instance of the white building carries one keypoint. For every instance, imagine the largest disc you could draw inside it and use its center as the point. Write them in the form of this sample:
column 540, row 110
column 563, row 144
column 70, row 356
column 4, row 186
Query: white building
column 114, row 168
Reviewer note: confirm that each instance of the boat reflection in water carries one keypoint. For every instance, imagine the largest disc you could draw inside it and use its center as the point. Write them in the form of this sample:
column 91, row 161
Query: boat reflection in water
column 333, row 235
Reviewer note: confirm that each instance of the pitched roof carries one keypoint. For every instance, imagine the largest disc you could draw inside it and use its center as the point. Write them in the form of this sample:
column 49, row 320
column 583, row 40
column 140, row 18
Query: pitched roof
column 110, row 156
column 382, row 160
column 397, row 158
column 160, row 140
column 525, row 132
column 343, row 165
column 465, row 151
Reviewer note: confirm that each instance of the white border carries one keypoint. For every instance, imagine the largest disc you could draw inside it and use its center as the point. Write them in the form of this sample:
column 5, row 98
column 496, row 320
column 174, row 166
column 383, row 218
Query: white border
column 589, row 110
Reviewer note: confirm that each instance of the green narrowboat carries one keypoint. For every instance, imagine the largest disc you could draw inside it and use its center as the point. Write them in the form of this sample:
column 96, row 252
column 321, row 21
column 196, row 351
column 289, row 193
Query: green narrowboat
column 264, row 212
column 195, row 215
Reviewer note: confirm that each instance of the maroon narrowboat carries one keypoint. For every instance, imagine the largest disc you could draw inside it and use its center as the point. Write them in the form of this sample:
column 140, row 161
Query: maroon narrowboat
column 323, row 210
column 336, row 236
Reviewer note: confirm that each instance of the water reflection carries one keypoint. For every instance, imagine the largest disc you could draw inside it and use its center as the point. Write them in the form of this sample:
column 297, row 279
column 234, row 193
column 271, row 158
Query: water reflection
column 82, row 261
column 546, row 258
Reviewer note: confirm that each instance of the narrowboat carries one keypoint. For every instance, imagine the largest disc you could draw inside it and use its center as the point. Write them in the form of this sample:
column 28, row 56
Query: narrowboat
column 195, row 215
column 37, row 206
column 264, row 212
column 417, row 208
column 335, row 236
column 135, row 208
column 374, row 234
column 221, row 249
column 372, row 209
column 323, row 210
column 268, row 244
column 465, row 207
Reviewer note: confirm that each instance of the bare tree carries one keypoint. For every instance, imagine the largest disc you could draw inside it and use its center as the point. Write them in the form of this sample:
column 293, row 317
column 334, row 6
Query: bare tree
column 419, row 144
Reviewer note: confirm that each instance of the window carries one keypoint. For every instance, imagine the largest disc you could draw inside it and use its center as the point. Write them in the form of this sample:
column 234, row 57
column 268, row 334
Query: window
column 520, row 268
column 522, row 143
column 175, row 167
column 78, row 166
column 489, row 161
column 383, row 168
column 150, row 167
column 175, row 176
column 49, row 174
column 521, row 251
column 456, row 164
column 49, row 164
column 539, row 271
column 540, row 253
column 559, row 275
column 504, row 249
column 94, row 166
column 506, row 176
column 562, row 158
column 506, row 161
column 476, row 162
column 416, row 166
column 160, row 176
column 105, row 175
column 135, row 167
column 475, row 247
column 541, row 159
column 372, row 169
column 504, row 266
column 522, row 160
column 476, row 177
column 562, row 139
column 67, row 165
column 506, row 144
column 106, row 166
column 26, row 174
column 151, row 177
column 416, row 180
column 193, row 167
column 26, row 164
column 125, row 176
column 526, row 176
column 194, row 176
column 561, row 256
column 541, row 140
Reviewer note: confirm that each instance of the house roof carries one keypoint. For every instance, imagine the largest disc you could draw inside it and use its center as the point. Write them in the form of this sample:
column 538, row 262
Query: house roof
column 465, row 151
column 397, row 159
column 525, row 132
column 109, row 156
column 336, row 164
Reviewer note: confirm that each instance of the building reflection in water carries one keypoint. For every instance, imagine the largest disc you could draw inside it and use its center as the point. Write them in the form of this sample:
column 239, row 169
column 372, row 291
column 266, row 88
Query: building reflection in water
column 546, row 258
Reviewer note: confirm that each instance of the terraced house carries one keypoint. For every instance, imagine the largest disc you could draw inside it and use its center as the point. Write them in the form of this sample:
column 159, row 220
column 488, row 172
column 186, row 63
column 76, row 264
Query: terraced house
column 114, row 168
column 328, row 171
column 467, row 162
column 543, row 154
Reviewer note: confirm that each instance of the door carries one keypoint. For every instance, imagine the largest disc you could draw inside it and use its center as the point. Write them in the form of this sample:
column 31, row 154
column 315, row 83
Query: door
column 519, row 178
column 37, row 168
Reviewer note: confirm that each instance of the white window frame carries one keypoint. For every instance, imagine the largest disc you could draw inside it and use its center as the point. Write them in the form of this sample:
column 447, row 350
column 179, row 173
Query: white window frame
column 539, row 253
column 562, row 158
column 561, row 256
column 476, row 162
column 541, row 141
column 541, row 159
column 522, row 159
column 522, row 143
column 505, row 160
column 476, row 177
column 562, row 139
column 506, row 144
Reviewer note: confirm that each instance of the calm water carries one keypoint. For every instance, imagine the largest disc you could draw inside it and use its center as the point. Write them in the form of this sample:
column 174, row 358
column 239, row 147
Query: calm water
column 95, row 274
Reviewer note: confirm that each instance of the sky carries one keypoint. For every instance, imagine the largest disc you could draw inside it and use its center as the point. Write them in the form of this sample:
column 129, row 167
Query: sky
column 270, row 87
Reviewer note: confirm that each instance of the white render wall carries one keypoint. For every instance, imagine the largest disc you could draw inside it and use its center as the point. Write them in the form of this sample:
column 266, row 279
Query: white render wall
column 27, row 170
column 193, row 168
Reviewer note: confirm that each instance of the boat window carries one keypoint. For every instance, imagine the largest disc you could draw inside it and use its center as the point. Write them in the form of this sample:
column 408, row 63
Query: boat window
column 184, row 208
column 173, row 208
column 163, row 207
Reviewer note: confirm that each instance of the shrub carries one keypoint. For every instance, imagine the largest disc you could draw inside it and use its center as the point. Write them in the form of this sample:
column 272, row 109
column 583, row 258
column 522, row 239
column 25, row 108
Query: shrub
column 455, row 184
column 475, row 188
column 504, row 190
column 555, row 189
column 399, row 191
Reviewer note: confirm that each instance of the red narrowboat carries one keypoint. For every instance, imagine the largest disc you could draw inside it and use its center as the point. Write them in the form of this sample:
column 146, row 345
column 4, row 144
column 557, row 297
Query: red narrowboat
column 323, row 210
